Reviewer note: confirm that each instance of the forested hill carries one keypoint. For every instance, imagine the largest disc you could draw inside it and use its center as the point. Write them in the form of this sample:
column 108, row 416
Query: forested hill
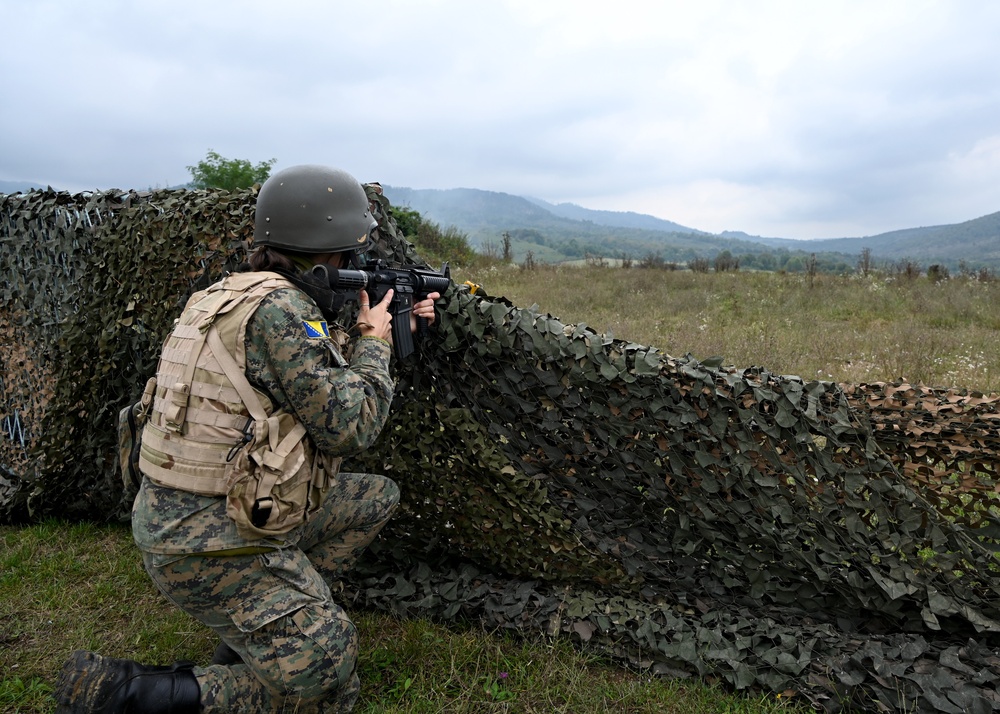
column 533, row 226
column 564, row 231
column 974, row 241
column 482, row 213
column 622, row 219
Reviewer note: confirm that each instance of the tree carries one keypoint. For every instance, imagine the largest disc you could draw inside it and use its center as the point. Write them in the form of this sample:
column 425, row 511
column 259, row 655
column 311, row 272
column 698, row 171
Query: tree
column 407, row 220
column 699, row 264
column 811, row 268
column 865, row 263
column 231, row 174
column 725, row 261
column 433, row 243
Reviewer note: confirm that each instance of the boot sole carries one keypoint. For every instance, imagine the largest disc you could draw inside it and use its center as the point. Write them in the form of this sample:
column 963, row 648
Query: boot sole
column 77, row 686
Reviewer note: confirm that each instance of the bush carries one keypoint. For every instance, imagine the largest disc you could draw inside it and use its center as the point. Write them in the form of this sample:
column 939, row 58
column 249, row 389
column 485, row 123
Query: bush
column 432, row 243
column 725, row 262
column 699, row 265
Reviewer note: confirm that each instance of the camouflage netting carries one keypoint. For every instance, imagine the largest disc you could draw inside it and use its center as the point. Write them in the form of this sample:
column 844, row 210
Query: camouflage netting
column 742, row 526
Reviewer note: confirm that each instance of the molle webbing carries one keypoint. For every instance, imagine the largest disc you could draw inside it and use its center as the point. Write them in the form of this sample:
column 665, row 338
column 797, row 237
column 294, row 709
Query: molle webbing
column 204, row 407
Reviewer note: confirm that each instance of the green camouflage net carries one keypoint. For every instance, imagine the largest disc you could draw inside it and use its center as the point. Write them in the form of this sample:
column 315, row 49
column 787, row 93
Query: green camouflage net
column 92, row 283
column 736, row 525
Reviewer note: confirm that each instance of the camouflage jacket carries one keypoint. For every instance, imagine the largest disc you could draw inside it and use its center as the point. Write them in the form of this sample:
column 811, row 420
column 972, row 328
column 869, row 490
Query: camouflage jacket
column 339, row 389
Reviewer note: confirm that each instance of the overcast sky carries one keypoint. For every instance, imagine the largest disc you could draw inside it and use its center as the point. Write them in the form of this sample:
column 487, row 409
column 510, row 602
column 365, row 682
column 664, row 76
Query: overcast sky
column 801, row 119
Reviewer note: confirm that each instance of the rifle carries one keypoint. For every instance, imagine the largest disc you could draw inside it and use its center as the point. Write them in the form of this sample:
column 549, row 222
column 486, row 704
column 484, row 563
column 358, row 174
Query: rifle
column 409, row 285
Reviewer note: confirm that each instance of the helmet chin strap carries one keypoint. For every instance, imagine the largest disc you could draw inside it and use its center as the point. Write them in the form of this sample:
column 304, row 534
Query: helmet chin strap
column 316, row 285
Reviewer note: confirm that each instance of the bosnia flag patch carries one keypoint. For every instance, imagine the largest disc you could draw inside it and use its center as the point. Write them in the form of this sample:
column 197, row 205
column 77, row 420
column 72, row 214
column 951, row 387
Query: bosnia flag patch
column 316, row 329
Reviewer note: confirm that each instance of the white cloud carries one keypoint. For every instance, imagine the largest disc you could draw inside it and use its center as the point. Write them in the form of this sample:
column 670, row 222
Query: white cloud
column 777, row 118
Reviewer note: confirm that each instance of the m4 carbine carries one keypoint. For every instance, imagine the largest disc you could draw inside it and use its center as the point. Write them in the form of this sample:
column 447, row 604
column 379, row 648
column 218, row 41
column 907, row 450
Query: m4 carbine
column 409, row 286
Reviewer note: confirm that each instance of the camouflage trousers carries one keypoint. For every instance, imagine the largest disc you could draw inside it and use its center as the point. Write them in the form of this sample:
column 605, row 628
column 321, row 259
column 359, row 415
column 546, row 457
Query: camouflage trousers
column 276, row 610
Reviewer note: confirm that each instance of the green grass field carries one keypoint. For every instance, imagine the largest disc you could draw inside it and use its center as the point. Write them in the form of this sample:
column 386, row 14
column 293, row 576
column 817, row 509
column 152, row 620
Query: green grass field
column 846, row 329
column 68, row 586
column 81, row 586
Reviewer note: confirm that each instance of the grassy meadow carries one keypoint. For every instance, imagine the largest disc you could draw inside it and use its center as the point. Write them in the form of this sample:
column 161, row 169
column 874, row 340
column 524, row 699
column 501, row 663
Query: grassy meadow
column 67, row 586
column 81, row 586
column 838, row 328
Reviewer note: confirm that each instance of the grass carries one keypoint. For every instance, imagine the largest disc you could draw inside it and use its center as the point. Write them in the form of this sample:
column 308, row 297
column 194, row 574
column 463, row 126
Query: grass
column 73, row 586
column 69, row 586
column 840, row 328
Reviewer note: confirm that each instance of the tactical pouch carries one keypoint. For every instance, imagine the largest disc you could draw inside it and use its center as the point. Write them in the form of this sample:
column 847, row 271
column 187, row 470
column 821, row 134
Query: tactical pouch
column 276, row 478
column 175, row 410
column 130, row 422
column 270, row 484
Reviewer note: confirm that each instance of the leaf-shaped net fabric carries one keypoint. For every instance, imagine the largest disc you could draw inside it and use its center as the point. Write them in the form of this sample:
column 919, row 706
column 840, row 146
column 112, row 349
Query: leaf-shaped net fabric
column 734, row 524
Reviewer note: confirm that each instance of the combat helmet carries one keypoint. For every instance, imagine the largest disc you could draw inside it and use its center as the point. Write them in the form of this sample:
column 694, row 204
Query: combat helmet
column 313, row 209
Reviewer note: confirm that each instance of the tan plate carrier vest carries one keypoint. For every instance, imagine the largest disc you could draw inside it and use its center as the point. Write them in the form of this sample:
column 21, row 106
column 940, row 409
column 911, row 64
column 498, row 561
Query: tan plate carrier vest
column 210, row 432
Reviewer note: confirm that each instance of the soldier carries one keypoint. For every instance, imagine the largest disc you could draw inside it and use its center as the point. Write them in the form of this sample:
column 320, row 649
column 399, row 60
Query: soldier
column 243, row 518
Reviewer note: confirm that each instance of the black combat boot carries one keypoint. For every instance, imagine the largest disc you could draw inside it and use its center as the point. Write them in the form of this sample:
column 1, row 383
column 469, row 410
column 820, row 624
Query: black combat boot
column 91, row 684
column 226, row 655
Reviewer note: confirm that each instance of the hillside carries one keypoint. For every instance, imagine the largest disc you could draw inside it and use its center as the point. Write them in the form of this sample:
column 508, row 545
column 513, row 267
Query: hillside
column 556, row 232
column 622, row 219
column 551, row 235
column 975, row 241
column 564, row 232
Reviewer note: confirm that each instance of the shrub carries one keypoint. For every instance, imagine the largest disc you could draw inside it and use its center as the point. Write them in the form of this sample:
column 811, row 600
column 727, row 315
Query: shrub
column 699, row 265
column 432, row 243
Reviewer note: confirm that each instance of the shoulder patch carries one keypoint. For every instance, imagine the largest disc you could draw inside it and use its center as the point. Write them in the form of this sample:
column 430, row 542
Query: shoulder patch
column 316, row 329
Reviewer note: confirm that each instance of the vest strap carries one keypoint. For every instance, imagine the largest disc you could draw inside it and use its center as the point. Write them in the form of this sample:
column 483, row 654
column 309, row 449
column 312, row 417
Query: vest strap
column 214, row 454
column 208, row 417
column 205, row 485
column 250, row 398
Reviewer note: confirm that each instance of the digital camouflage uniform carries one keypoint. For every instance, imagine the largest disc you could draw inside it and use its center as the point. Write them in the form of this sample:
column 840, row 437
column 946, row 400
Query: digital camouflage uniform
column 270, row 600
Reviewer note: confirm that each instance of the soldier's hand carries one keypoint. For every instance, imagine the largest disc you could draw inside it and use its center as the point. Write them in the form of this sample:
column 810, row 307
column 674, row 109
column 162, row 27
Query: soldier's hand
column 375, row 320
column 424, row 309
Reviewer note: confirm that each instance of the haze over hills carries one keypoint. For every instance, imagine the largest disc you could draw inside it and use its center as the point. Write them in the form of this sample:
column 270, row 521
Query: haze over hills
column 485, row 215
column 565, row 231
column 627, row 219
column 550, row 237
column 975, row 241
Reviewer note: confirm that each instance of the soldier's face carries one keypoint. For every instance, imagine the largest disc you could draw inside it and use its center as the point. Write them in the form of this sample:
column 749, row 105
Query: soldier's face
column 334, row 260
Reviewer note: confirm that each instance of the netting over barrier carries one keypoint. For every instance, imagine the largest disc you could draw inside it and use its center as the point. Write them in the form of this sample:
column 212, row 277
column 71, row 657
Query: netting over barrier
column 735, row 524
column 91, row 284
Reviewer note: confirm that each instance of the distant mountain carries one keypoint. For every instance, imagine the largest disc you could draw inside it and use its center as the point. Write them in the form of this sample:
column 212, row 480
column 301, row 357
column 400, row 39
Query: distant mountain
column 975, row 242
column 469, row 209
column 565, row 231
column 626, row 219
column 773, row 242
column 533, row 225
